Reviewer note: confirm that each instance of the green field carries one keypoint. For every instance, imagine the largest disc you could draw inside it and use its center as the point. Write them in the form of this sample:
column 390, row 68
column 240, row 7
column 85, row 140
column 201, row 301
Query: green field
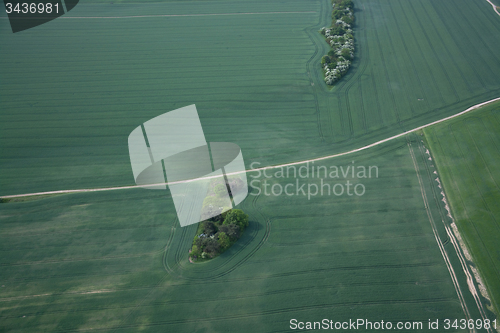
column 68, row 108
column 72, row 90
column 117, row 261
column 466, row 150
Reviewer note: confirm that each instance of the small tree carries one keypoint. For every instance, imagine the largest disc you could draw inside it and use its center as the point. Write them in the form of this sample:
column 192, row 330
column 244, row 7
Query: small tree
column 346, row 54
column 238, row 217
column 337, row 14
column 232, row 230
column 347, row 4
column 209, row 228
column 212, row 247
column 348, row 19
column 195, row 252
column 224, row 240
column 337, row 30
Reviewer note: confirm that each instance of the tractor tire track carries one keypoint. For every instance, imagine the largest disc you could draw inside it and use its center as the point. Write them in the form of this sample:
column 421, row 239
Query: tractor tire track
column 436, row 235
column 441, row 66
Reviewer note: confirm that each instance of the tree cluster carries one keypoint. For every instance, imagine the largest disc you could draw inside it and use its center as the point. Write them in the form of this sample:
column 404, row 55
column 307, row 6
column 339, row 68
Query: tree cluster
column 217, row 234
column 340, row 37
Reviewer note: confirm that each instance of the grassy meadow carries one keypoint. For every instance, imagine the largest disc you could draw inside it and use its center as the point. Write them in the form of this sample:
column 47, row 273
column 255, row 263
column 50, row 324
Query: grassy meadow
column 466, row 150
column 72, row 90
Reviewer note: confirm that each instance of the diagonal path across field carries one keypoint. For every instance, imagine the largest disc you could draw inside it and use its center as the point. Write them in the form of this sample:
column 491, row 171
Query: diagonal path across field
column 263, row 168
column 495, row 8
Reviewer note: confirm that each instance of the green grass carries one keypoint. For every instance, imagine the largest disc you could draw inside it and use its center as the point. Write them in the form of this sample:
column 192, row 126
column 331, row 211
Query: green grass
column 466, row 150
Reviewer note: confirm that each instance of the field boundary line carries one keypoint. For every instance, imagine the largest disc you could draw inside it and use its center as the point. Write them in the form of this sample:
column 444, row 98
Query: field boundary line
column 472, row 108
column 444, row 254
column 455, row 237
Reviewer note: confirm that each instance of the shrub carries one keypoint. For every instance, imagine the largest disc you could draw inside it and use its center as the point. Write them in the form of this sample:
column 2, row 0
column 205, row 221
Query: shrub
column 337, row 13
column 238, row 217
column 208, row 245
column 232, row 230
column 349, row 19
column 195, row 252
column 208, row 228
column 346, row 54
column 223, row 240
column 337, row 30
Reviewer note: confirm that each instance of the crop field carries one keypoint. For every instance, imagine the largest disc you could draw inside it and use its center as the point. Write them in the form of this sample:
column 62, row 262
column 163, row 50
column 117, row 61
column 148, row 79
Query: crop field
column 415, row 62
column 256, row 80
column 72, row 90
column 118, row 260
column 467, row 154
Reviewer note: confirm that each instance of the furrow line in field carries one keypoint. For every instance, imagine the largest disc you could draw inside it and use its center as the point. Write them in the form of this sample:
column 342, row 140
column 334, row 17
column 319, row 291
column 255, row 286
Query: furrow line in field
column 178, row 15
column 452, row 239
column 311, row 226
column 349, row 213
column 329, row 241
column 355, row 73
column 470, row 279
column 493, row 138
column 387, row 77
column 409, row 21
column 436, row 235
column 464, row 36
column 262, row 313
column 415, row 72
column 399, row 73
column 487, row 167
column 193, row 301
column 418, row 251
column 71, row 260
column 442, row 41
column 436, row 56
column 465, row 158
column 315, row 93
column 471, row 17
column 332, row 270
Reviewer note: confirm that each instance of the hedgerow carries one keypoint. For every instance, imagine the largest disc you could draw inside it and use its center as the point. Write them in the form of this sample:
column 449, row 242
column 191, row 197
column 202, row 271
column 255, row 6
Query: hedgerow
column 341, row 39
